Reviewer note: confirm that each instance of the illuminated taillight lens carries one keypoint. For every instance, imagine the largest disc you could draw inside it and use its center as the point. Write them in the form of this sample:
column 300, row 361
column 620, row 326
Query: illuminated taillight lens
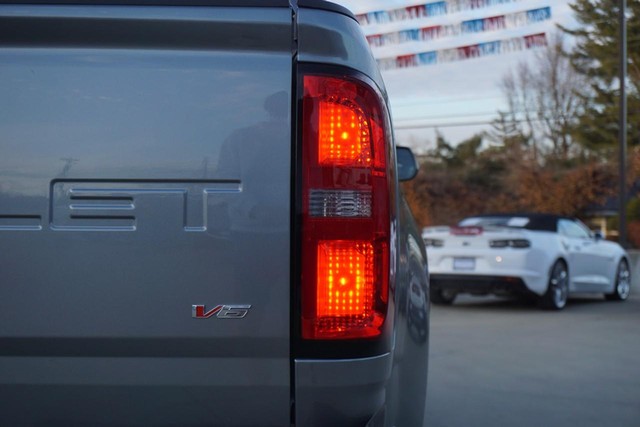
column 344, row 135
column 345, row 209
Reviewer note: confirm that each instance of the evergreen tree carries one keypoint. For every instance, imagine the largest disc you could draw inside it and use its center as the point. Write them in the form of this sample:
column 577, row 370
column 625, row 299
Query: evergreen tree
column 596, row 56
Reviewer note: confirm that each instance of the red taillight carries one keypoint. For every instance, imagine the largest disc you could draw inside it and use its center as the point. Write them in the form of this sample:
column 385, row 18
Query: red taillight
column 345, row 211
column 343, row 137
column 466, row 231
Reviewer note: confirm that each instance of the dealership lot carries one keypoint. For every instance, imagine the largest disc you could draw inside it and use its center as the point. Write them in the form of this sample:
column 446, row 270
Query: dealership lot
column 498, row 362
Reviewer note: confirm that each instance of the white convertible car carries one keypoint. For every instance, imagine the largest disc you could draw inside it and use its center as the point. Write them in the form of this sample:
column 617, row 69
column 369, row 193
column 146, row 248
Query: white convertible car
column 547, row 256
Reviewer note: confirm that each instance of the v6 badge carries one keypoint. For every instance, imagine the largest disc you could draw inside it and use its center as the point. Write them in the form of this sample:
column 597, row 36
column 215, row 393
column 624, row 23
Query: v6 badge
column 220, row 311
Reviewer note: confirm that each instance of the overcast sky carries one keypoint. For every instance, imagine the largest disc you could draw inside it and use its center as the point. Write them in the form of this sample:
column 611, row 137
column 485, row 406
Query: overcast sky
column 449, row 96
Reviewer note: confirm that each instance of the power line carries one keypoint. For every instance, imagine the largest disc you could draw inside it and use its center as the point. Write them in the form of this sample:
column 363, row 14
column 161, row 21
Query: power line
column 448, row 100
column 441, row 125
column 477, row 114
column 397, row 125
column 407, row 122
column 448, row 116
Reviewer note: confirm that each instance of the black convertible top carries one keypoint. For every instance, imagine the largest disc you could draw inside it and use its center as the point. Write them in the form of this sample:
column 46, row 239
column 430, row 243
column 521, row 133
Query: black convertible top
column 537, row 221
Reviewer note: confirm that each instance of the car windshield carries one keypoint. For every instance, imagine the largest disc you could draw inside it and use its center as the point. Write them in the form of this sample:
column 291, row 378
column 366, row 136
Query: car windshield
column 495, row 221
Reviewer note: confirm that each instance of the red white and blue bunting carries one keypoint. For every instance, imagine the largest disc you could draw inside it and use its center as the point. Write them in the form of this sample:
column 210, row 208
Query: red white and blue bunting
column 464, row 52
column 436, row 8
column 494, row 23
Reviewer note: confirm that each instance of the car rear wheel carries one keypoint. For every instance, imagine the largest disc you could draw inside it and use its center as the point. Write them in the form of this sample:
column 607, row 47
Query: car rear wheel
column 558, row 289
column 442, row 296
column 623, row 283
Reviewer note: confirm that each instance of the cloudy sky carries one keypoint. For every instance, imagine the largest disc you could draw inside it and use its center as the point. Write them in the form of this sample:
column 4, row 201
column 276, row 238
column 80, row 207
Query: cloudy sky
column 452, row 97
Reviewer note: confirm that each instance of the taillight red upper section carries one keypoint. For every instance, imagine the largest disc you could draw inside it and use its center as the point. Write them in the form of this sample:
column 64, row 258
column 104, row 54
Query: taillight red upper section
column 345, row 212
column 466, row 231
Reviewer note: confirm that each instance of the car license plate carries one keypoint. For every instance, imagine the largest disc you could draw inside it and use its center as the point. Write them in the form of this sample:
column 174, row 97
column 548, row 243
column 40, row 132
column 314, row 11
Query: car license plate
column 464, row 264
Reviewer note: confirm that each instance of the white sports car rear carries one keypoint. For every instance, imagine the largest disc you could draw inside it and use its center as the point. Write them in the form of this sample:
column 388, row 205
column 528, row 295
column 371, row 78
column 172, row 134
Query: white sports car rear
column 546, row 256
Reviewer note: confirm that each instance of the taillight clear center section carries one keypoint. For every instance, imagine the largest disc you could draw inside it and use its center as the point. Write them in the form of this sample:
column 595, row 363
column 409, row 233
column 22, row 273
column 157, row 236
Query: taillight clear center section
column 345, row 209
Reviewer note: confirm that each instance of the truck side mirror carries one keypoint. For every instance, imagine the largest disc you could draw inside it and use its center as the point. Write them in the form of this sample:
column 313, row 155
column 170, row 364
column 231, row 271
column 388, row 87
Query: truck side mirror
column 407, row 165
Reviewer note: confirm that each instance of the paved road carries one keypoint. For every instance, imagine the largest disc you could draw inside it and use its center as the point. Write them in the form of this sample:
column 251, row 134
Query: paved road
column 497, row 362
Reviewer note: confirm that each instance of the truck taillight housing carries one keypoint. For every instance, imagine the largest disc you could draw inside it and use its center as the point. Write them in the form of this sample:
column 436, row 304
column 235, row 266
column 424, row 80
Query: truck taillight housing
column 345, row 209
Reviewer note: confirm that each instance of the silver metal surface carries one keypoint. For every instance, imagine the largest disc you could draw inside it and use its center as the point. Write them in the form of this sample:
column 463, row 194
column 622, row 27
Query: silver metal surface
column 145, row 165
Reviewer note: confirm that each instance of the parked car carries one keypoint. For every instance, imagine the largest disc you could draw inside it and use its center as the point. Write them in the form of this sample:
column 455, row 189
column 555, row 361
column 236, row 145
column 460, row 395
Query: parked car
column 546, row 256
column 200, row 219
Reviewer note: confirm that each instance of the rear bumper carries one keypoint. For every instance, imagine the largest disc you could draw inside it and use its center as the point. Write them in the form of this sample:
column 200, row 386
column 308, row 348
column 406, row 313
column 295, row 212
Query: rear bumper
column 480, row 284
column 492, row 270
column 341, row 392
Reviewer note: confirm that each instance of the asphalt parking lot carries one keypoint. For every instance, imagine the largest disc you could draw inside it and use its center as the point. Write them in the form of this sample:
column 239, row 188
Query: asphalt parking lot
column 498, row 362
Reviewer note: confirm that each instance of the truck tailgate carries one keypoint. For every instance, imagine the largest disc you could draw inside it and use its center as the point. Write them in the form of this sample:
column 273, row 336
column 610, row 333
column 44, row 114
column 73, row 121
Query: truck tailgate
column 144, row 215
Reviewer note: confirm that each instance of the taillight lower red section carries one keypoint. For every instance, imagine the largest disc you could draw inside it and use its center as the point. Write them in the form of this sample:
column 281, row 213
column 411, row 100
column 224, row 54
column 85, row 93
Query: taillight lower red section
column 345, row 212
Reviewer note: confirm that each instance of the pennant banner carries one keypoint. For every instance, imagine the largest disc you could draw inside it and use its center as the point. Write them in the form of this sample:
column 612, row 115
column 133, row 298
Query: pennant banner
column 464, row 52
column 494, row 23
column 436, row 8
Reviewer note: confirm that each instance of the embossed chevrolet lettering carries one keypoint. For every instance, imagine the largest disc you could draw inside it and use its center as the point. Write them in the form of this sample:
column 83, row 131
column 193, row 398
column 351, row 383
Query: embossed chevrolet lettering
column 125, row 205
column 220, row 311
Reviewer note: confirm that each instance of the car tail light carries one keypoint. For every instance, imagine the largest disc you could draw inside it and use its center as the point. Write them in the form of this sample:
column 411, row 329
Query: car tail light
column 345, row 209
column 436, row 243
column 511, row 243
column 466, row 231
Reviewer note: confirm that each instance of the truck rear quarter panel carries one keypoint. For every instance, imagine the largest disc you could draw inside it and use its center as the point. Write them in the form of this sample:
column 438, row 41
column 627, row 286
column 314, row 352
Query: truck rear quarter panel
column 385, row 389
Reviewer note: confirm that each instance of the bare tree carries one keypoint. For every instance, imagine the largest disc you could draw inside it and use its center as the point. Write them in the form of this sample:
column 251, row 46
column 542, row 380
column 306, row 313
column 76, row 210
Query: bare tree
column 515, row 128
column 543, row 102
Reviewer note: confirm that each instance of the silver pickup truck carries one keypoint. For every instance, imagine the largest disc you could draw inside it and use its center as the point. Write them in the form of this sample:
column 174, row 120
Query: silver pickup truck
column 200, row 219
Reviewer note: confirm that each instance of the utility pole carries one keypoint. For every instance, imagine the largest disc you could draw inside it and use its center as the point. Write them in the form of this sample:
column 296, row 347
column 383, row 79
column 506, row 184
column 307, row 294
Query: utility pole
column 622, row 227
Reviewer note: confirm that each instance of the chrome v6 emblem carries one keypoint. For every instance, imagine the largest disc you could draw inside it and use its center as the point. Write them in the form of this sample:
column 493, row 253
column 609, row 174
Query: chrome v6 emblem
column 220, row 311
